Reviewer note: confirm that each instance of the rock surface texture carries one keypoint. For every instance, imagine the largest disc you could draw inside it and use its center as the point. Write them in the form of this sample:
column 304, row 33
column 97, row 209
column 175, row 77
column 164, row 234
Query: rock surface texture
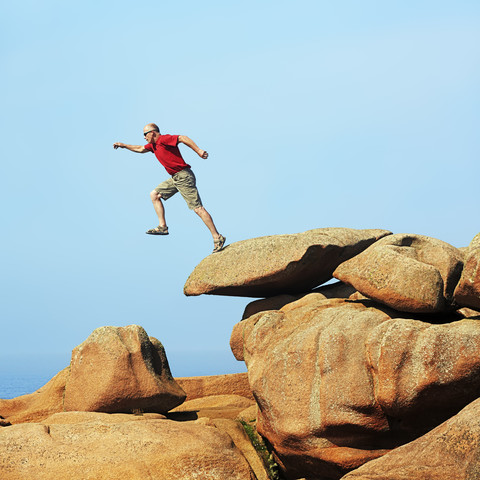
column 335, row 290
column 450, row 451
column 118, row 369
column 467, row 292
column 95, row 449
column 204, row 386
column 267, row 266
column 214, row 406
column 339, row 382
column 411, row 273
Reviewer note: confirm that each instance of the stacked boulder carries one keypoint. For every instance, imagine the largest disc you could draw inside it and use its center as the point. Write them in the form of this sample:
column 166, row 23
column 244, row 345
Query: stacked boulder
column 346, row 373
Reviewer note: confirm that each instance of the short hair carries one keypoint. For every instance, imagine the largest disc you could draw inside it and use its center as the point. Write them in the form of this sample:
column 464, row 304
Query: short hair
column 153, row 126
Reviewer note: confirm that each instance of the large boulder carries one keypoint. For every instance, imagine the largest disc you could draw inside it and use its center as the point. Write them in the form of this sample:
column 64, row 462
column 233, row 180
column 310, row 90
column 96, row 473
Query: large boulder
column 121, row 369
column 286, row 302
column 339, row 383
column 95, row 449
column 267, row 266
column 411, row 273
column 467, row 292
column 117, row 369
column 450, row 451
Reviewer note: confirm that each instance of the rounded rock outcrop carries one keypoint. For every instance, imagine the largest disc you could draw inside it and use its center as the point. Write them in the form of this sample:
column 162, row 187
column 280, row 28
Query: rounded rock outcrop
column 120, row 369
column 410, row 273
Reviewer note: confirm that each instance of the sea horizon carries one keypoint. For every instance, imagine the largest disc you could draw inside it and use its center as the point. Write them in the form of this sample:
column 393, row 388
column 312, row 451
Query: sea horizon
column 25, row 374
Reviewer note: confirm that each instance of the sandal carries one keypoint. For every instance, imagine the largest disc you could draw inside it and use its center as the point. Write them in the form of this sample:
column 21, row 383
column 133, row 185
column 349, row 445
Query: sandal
column 158, row 231
column 218, row 244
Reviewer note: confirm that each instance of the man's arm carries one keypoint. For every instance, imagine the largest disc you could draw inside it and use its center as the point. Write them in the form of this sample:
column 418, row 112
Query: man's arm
column 132, row 148
column 190, row 143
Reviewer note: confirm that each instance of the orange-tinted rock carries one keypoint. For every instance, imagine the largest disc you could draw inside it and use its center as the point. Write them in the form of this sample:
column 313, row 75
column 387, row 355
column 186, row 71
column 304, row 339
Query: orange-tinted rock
column 70, row 418
column 450, row 451
column 204, row 386
column 237, row 433
column 339, row 383
column 468, row 313
column 214, row 406
column 268, row 266
column 248, row 415
column 467, row 292
column 335, row 290
column 120, row 369
column 410, row 273
column 236, row 341
column 136, row 450
column 424, row 373
column 286, row 303
column 39, row 405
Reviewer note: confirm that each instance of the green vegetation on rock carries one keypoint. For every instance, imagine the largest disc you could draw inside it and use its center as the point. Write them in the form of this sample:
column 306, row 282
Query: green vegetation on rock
column 263, row 451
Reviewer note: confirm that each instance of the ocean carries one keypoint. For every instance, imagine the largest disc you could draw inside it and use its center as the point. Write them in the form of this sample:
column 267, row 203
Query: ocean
column 12, row 386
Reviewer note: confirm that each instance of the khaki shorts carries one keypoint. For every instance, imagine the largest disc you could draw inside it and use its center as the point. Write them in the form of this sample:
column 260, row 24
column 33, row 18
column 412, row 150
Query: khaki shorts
column 183, row 182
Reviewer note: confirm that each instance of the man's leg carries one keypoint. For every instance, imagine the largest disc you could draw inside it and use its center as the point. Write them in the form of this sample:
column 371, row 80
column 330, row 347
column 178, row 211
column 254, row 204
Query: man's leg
column 158, row 206
column 208, row 221
column 186, row 185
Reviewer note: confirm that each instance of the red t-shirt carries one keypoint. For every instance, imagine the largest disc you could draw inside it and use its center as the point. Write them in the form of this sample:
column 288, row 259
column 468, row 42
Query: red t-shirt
column 168, row 153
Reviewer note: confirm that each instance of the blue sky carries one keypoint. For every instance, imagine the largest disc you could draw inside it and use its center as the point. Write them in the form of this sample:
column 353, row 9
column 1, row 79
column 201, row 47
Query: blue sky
column 314, row 113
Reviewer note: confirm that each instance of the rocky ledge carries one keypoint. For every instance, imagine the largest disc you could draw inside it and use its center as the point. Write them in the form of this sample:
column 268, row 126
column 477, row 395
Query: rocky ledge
column 349, row 372
column 375, row 376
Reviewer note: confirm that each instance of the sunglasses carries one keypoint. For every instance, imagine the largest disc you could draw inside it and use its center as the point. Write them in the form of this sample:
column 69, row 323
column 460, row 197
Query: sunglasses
column 146, row 133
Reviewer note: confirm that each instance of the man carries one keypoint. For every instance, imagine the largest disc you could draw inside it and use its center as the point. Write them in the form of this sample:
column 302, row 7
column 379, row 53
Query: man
column 165, row 148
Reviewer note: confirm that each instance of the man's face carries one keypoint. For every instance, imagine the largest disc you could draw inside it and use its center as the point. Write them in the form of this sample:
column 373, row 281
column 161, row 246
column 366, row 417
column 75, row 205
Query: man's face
column 149, row 133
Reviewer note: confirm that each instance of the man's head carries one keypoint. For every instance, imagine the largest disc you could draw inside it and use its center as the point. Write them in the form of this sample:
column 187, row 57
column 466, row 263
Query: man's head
column 151, row 132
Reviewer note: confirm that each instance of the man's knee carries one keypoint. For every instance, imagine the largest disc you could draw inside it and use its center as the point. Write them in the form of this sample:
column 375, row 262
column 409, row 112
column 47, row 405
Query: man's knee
column 154, row 195
column 200, row 210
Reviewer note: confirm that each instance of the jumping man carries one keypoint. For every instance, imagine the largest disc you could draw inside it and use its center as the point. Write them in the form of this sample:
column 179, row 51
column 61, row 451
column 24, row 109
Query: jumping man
column 165, row 148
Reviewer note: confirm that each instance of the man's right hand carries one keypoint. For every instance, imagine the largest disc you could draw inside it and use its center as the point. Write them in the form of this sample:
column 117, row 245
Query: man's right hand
column 118, row 145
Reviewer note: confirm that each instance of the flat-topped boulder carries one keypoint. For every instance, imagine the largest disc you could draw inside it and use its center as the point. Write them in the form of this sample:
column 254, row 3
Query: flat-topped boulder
column 410, row 273
column 467, row 293
column 272, row 265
